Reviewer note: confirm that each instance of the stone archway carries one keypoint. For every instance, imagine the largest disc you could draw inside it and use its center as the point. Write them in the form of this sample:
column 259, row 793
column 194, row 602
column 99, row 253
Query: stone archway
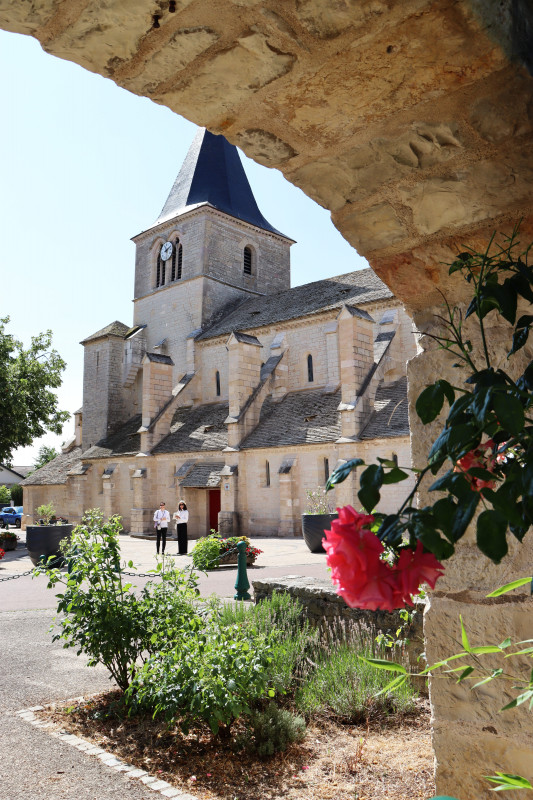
column 412, row 122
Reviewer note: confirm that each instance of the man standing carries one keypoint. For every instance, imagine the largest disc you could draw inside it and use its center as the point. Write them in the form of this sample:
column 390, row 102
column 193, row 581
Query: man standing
column 161, row 521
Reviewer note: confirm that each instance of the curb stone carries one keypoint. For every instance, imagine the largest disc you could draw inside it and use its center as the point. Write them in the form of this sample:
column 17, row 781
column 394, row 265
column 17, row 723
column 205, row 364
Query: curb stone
column 108, row 759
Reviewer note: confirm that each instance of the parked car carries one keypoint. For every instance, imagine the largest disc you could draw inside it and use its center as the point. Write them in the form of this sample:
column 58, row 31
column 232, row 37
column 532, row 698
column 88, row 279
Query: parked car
column 11, row 515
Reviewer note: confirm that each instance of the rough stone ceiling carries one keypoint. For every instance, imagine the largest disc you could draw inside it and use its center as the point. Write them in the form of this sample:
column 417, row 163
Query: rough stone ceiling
column 411, row 121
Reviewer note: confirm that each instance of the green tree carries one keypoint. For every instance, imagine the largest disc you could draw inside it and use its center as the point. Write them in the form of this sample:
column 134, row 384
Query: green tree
column 16, row 494
column 45, row 455
column 28, row 406
column 5, row 496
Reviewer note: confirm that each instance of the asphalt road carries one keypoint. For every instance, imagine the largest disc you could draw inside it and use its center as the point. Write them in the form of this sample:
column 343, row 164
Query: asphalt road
column 35, row 671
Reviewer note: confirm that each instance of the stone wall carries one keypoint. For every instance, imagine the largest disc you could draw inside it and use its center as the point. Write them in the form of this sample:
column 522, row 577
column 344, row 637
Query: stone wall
column 323, row 607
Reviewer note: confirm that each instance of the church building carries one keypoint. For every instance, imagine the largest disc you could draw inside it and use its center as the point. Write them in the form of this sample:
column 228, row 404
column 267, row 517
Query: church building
column 231, row 390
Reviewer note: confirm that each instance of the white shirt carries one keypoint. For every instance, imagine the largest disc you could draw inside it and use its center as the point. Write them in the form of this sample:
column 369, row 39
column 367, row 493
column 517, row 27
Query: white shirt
column 162, row 517
column 181, row 515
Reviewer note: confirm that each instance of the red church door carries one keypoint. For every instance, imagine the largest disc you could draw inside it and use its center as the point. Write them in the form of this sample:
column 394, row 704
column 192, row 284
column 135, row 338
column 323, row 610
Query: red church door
column 214, row 508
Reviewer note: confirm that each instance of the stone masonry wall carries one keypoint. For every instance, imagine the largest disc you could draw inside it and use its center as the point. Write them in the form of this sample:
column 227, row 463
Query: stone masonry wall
column 323, row 607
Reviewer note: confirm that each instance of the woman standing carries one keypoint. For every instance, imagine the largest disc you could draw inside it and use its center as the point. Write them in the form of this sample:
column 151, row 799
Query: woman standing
column 161, row 520
column 182, row 517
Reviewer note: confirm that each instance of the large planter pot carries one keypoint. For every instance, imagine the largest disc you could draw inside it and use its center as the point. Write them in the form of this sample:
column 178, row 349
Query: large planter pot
column 313, row 527
column 8, row 544
column 233, row 558
column 43, row 540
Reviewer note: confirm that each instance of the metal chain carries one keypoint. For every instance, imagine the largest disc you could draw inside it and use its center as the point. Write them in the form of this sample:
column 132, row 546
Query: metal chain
column 153, row 574
column 14, row 577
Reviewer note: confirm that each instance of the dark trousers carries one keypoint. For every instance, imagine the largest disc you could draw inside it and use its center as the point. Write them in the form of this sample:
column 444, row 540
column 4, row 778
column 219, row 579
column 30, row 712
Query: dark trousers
column 182, row 538
column 161, row 536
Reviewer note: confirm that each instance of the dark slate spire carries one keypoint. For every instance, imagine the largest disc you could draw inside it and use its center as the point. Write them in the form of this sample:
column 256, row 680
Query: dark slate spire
column 212, row 173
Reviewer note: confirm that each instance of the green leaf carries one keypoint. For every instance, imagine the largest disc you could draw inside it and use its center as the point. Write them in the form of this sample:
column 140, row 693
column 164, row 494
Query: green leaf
column 491, row 534
column 429, row 403
column 508, row 587
column 382, row 663
column 506, row 781
column 464, row 637
column 465, row 673
column 371, row 481
column 341, row 473
column 464, row 514
column 486, row 648
column 395, row 475
column 510, row 412
column 396, row 682
column 522, row 698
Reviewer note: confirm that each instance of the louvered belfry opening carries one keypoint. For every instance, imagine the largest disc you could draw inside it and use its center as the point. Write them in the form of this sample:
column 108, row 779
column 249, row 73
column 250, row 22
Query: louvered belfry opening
column 158, row 272
column 180, row 261
column 247, row 261
column 177, row 261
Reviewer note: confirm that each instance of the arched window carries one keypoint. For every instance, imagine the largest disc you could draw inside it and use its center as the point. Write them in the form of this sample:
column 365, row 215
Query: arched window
column 177, row 260
column 247, row 261
column 217, row 382
column 326, row 469
column 158, row 271
column 180, row 261
column 310, row 377
column 267, row 473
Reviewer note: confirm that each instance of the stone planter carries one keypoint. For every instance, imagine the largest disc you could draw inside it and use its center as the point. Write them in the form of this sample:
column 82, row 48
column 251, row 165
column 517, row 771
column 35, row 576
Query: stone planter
column 233, row 558
column 8, row 544
column 313, row 527
column 43, row 540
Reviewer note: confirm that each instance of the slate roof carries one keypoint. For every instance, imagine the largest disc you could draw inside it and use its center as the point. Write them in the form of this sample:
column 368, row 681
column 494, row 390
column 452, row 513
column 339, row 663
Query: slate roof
column 203, row 476
column 55, row 471
column 284, row 423
column 125, row 441
column 354, row 288
column 159, row 358
column 115, row 328
column 212, row 174
column 390, row 417
column 197, row 428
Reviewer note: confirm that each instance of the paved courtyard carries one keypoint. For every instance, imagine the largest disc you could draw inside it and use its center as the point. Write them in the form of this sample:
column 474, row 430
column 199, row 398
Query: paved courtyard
column 35, row 671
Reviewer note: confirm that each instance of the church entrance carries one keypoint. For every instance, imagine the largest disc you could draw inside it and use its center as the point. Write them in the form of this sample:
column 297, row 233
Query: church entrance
column 214, row 508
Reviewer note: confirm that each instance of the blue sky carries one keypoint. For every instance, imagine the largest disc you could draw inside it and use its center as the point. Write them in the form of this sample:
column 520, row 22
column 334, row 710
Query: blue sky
column 85, row 166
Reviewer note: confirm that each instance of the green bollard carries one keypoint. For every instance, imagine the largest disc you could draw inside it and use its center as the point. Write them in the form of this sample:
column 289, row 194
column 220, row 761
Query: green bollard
column 242, row 584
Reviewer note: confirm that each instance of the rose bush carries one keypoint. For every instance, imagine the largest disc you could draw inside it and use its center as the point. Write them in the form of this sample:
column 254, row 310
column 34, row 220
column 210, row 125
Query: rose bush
column 486, row 441
column 365, row 579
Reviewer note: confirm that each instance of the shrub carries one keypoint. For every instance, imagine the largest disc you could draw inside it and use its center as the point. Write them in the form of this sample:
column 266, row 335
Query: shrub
column 5, row 496
column 214, row 675
column 291, row 637
column 275, row 729
column 102, row 615
column 206, row 552
column 16, row 494
column 347, row 686
column 46, row 512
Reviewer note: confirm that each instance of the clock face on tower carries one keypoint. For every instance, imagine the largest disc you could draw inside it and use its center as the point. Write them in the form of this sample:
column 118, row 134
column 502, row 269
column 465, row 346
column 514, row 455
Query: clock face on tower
column 166, row 251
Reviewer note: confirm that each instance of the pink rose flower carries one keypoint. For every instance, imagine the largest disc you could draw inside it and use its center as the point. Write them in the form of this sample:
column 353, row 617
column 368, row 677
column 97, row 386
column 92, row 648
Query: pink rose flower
column 363, row 578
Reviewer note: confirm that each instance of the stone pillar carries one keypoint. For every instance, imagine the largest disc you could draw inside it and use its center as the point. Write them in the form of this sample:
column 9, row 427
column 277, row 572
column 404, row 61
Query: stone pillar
column 228, row 516
column 157, row 385
column 109, row 504
column 244, row 369
column 332, row 354
column 471, row 737
column 141, row 512
column 356, row 356
column 290, row 523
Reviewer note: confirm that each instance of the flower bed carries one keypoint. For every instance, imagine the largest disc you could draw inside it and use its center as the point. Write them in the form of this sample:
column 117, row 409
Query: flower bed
column 213, row 551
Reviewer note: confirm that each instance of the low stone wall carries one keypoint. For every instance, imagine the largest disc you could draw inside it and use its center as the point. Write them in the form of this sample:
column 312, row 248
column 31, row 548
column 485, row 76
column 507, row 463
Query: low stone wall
column 323, row 607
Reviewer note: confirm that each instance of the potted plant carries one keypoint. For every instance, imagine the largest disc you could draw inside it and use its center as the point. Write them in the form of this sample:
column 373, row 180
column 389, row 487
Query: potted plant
column 8, row 540
column 316, row 519
column 43, row 540
column 211, row 551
